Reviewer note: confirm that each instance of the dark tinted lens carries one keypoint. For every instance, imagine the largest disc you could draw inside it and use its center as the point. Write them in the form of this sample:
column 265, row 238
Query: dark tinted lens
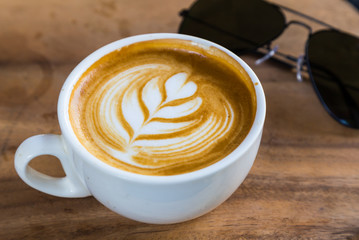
column 238, row 25
column 334, row 62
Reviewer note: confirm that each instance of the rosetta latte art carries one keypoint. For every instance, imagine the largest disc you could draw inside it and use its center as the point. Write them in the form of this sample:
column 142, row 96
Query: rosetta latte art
column 151, row 122
column 162, row 107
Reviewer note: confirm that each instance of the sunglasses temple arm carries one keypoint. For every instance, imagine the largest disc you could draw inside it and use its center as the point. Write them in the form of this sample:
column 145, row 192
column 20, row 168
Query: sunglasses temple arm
column 304, row 16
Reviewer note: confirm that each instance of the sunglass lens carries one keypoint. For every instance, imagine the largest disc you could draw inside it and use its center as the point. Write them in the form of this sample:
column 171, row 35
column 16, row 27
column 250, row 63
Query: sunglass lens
column 333, row 59
column 239, row 25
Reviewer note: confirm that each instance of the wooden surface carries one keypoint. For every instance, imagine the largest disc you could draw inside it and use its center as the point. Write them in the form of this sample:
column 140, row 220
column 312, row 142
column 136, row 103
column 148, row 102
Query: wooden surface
column 304, row 183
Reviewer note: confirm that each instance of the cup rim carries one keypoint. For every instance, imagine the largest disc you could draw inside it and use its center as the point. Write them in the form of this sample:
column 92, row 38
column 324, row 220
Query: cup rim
column 76, row 146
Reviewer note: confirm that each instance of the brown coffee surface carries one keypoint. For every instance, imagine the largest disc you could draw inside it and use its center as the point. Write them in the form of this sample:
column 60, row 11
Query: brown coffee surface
column 163, row 107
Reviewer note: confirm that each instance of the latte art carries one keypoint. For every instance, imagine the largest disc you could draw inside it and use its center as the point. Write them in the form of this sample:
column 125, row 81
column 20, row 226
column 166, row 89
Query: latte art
column 146, row 110
column 151, row 119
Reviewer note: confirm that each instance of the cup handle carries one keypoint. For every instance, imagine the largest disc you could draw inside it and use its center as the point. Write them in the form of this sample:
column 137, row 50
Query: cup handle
column 69, row 186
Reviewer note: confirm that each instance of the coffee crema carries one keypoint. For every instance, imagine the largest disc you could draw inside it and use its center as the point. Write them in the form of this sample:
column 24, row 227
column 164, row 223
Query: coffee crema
column 163, row 107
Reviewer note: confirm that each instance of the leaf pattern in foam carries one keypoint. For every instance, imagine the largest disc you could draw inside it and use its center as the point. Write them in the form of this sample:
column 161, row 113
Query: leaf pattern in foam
column 132, row 110
column 176, row 87
column 180, row 110
column 151, row 95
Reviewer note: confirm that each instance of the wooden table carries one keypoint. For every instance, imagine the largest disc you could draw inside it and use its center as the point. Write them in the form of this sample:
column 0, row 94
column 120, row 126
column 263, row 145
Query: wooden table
column 304, row 183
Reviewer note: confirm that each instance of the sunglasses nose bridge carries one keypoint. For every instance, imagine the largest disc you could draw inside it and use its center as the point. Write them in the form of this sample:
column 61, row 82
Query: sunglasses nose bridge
column 306, row 26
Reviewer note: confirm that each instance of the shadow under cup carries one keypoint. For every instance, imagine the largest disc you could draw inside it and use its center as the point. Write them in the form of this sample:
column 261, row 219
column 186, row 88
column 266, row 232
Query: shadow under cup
column 145, row 198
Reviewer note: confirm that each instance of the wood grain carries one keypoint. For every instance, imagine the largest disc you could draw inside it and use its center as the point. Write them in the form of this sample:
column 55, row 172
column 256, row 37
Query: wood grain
column 304, row 183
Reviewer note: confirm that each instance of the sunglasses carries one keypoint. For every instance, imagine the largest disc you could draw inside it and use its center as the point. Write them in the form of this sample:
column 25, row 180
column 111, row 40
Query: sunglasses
column 331, row 57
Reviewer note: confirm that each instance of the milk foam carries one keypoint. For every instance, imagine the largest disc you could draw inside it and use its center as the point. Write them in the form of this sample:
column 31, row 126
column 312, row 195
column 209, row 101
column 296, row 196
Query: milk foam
column 148, row 119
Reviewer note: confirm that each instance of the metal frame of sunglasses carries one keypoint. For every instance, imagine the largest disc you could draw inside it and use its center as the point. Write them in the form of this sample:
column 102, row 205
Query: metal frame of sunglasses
column 300, row 63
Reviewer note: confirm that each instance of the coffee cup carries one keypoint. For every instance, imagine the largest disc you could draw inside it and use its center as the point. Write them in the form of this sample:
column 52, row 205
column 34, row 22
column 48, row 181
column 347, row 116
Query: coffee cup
column 160, row 128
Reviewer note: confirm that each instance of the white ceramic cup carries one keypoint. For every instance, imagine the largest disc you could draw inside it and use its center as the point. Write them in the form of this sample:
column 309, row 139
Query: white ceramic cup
column 150, row 199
